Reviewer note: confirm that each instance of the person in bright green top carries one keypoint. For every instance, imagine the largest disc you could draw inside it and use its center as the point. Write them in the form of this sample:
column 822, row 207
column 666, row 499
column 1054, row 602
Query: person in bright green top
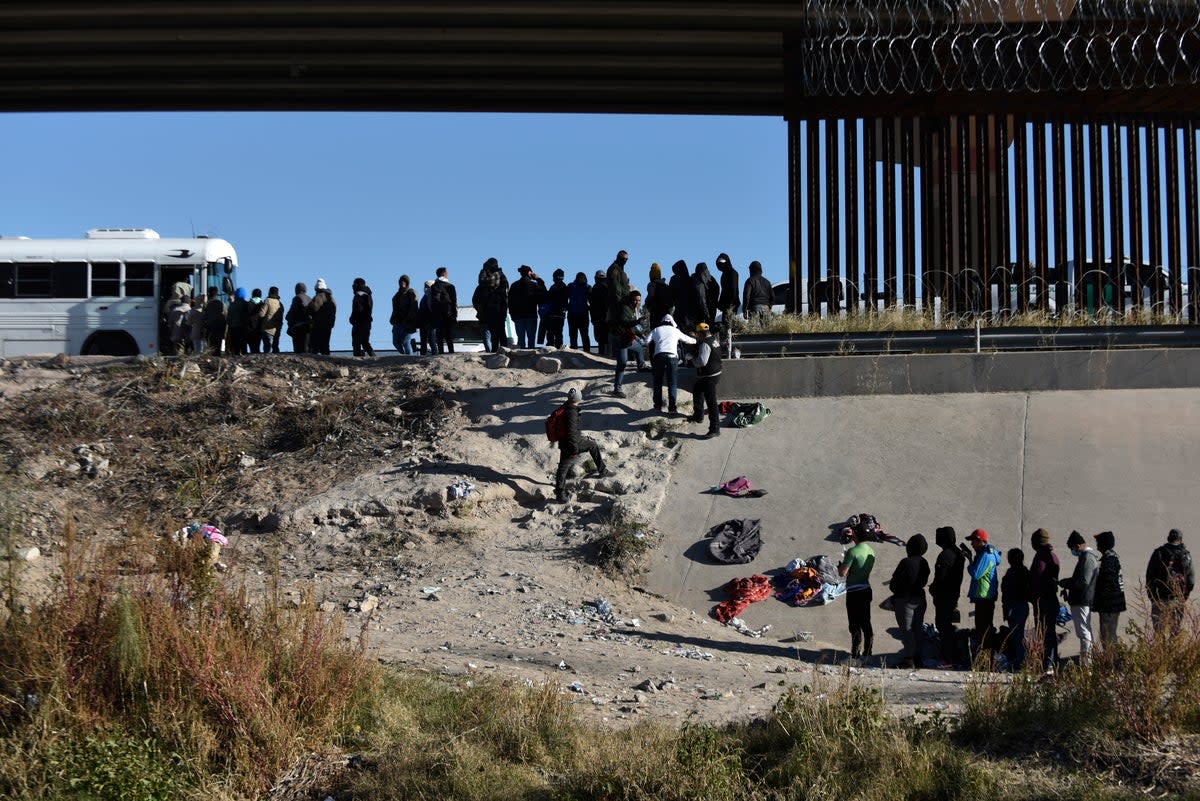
column 856, row 569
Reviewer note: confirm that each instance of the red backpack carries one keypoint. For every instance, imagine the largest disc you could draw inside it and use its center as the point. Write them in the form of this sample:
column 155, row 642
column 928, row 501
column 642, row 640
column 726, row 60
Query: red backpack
column 556, row 424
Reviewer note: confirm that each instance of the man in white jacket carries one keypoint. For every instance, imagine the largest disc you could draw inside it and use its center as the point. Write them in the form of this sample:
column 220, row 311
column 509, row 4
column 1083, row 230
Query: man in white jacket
column 664, row 344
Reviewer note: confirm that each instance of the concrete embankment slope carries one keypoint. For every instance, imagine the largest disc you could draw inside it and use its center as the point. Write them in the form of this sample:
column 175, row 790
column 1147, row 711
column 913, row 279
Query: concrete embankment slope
column 1121, row 460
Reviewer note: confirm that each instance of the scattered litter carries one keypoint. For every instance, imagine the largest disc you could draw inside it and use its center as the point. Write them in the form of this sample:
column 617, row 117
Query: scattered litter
column 737, row 624
column 431, row 590
column 562, row 665
column 575, row 687
column 688, row 653
column 459, row 490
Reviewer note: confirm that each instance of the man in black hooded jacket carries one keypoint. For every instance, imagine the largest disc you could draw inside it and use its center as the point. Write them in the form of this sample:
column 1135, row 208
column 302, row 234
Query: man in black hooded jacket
column 688, row 303
column 362, row 308
column 709, row 292
column 757, row 296
column 727, row 302
column 946, row 588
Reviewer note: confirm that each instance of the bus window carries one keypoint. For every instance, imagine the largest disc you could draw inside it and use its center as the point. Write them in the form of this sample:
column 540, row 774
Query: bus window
column 139, row 279
column 34, row 281
column 106, row 279
column 71, row 280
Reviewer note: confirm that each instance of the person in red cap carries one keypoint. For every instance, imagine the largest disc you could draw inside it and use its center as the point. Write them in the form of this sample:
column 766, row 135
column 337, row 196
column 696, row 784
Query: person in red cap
column 984, row 572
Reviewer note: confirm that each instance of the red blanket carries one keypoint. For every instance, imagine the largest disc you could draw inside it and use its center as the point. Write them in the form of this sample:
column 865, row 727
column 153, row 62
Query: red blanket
column 742, row 593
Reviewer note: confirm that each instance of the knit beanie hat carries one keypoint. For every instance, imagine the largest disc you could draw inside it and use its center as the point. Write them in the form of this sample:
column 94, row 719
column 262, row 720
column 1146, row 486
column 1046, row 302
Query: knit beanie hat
column 655, row 271
column 1040, row 537
column 321, row 284
column 573, row 395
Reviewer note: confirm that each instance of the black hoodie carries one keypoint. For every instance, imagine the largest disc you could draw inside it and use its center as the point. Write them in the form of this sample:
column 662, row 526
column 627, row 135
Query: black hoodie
column 706, row 285
column 948, row 570
column 689, row 304
column 758, row 292
column 912, row 574
column 728, row 301
column 362, row 306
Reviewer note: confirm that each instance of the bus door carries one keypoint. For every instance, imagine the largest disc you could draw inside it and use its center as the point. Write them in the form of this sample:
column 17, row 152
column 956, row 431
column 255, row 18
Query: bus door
column 168, row 277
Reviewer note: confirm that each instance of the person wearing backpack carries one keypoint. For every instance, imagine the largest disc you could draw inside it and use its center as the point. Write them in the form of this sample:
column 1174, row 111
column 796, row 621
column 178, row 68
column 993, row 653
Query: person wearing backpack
column 571, row 443
column 984, row 587
column 1170, row 579
column 443, row 310
column 1110, row 589
column 1080, row 590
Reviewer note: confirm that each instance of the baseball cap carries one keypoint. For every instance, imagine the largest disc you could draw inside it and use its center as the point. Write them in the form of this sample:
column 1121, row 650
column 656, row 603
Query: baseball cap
column 978, row 534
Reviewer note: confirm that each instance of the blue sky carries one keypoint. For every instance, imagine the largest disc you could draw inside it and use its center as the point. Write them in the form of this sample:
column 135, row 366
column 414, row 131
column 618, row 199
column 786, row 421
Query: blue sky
column 340, row 195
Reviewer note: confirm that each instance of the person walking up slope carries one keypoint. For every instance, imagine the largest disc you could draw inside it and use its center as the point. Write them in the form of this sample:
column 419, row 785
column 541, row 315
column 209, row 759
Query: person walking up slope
column 571, row 444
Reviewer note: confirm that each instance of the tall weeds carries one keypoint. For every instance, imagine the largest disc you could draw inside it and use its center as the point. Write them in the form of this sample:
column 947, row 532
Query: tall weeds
column 165, row 673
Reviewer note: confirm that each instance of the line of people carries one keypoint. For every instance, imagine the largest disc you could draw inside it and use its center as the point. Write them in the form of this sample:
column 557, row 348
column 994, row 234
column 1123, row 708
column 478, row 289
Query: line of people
column 249, row 324
column 604, row 309
column 1096, row 586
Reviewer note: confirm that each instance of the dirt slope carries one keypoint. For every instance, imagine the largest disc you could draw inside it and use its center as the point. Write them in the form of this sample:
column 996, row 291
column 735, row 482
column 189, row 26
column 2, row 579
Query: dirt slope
column 332, row 474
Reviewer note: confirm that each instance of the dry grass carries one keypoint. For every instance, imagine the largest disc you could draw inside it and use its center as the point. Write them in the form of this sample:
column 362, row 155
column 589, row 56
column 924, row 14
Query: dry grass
column 908, row 319
column 147, row 685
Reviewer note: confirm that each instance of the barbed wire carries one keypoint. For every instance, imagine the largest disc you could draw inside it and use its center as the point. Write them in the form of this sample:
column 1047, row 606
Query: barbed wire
column 873, row 47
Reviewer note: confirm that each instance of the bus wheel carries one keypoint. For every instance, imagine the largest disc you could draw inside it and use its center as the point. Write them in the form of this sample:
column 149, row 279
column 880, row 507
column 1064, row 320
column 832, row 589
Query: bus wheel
column 110, row 344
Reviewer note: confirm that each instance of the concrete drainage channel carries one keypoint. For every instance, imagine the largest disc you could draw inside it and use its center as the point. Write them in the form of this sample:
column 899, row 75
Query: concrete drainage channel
column 938, row 373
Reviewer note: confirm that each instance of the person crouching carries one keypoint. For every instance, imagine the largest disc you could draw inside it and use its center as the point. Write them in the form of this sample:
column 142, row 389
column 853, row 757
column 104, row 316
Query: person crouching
column 572, row 444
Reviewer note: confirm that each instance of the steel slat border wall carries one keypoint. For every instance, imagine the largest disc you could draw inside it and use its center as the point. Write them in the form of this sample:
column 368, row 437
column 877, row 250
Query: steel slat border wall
column 956, row 214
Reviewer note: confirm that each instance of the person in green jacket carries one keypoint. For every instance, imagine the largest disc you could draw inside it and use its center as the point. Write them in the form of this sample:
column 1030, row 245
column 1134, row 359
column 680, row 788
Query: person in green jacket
column 856, row 569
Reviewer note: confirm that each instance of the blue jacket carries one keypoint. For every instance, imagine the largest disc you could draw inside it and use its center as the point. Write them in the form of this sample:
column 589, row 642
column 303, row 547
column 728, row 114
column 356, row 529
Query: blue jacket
column 984, row 570
column 577, row 299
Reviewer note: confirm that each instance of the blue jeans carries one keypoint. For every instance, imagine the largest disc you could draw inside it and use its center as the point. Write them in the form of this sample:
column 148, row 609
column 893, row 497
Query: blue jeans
column 621, row 351
column 526, row 331
column 404, row 339
column 666, row 368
